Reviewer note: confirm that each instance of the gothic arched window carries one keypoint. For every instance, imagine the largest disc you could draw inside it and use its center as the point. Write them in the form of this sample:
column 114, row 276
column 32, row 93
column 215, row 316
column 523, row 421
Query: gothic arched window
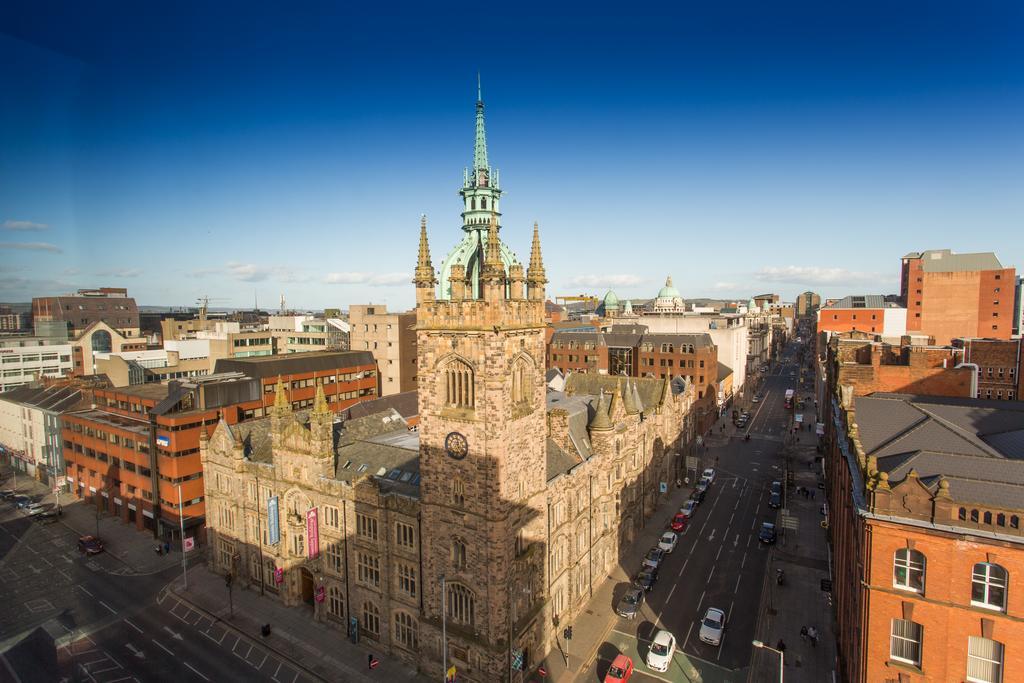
column 458, row 553
column 483, row 202
column 458, row 385
column 522, row 386
column 461, row 604
column 472, row 204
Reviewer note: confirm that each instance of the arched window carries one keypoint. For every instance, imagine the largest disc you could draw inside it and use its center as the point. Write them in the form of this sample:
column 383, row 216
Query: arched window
column 908, row 570
column 371, row 618
column 974, row 516
column 962, row 515
column 458, row 385
column 472, row 204
column 1000, row 519
column 581, row 541
column 483, row 202
column 522, row 387
column 987, row 518
column 101, row 342
column 335, row 603
column 406, row 631
column 458, row 553
column 1014, row 522
column 461, row 604
column 984, row 659
column 988, row 586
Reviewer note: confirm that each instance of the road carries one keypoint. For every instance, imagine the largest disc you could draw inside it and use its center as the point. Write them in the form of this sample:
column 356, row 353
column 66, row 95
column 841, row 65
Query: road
column 718, row 561
column 118, row 625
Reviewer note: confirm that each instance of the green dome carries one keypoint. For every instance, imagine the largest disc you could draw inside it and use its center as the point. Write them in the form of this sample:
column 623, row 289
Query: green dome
column 611, row 302
column 668, row 291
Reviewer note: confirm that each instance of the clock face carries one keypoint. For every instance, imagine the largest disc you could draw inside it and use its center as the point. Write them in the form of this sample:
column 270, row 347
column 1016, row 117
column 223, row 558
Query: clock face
column 456, row 446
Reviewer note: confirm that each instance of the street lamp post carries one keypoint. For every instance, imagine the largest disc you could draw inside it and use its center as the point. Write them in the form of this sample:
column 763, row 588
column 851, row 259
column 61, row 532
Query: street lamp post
column 782, row 657
column 444, row 636
column 181, row 526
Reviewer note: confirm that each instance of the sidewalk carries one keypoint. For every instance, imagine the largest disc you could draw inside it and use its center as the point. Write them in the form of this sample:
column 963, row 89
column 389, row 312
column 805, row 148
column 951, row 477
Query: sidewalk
column 316, row 648
column 802, row 554
column 589, row 633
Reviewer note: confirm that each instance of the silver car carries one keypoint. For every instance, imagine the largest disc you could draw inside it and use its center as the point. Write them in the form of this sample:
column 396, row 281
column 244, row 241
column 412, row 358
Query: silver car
column 711, row 626
column 629, row 605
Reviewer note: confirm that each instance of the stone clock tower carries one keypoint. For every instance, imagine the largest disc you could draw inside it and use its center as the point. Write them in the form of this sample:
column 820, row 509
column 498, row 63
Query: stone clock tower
column 480, row 354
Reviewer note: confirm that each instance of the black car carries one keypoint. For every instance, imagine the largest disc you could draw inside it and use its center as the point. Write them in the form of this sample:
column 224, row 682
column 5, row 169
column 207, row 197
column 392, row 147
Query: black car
column 775, row 501
column 646, row 579
column 90, row 545
column 767, row 533
column 777, row 487
column 698, row 495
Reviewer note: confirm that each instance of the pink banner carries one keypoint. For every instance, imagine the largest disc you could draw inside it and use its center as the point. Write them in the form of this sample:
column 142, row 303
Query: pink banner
column 312, row 533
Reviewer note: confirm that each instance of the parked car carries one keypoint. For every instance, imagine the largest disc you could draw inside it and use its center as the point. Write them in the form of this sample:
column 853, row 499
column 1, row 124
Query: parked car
column 777, row 487
column 662, row 650
column 767, row 533
column 688, row 508
column 775, row 501
column 620, row 670
column 6, row 494
column 755, row 400
column 33, row 509
column 668, row 541
column 709, row 474
column 697, row 495
column 679, row 522
column 90, row 545
column 21, row 501
column 712, row 625
column 702, row 485
column 630, row 603
column 654, row 558
column 646, row 579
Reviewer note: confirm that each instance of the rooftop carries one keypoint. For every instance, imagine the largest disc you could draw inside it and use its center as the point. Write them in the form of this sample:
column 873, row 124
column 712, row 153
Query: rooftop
column 947, row 261
column 261, row 367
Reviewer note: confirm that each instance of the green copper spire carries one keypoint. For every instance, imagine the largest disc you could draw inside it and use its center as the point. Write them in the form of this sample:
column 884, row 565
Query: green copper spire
column 480, row 148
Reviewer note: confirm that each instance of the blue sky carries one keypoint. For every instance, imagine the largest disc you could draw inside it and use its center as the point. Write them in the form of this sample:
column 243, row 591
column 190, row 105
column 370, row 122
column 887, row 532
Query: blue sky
column 250, row 150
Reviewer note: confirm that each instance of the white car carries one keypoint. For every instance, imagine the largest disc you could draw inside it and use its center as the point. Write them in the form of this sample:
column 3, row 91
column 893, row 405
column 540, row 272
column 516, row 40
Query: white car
column 755, row 400
column 709, row 474
column 34, row 509
column 712, row 625
column 688, row 508
column 668, row 541
column 662, row 649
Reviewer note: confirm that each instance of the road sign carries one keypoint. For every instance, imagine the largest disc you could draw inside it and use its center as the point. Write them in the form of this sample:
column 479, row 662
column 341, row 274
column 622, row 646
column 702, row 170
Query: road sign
column 189, row 544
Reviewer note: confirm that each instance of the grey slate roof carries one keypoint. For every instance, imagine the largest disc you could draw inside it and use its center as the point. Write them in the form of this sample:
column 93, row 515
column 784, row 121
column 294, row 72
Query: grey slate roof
column 977, row 445
column 586, row 384
column 312, row 361
column 945, row 261
column 56, row 399
column 861, row 301
column 405, row 403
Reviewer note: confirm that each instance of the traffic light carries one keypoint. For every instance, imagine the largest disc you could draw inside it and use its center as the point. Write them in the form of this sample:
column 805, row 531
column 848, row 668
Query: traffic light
column 567, row 633
column 227, row 580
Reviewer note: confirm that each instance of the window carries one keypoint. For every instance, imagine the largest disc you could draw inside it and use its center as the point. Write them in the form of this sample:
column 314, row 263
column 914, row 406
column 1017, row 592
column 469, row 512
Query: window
column 407, row 579
column 458, row 554
column 298, row 545
column 905, row 643
column 404, row 535
column 366, row 526
column 459, row 390
column 332, row 554
column 331, row 517
column 988, row 586
column 987, row 517
column 406, row 630
column 908, row 570
column 335, row 603
column 461, row 604
column 984, row 660
column 225, row 554
column 371, row 618
column 368, row 569
column 521, row 386
column 458, row 493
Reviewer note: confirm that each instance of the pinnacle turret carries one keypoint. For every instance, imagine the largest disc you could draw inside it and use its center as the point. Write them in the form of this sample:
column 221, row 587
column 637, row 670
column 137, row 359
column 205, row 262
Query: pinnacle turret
column 535, row 276
column 481, row 170
column 424, row 278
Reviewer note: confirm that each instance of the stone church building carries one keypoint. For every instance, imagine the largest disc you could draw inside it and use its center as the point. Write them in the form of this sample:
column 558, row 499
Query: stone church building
column 494, row 519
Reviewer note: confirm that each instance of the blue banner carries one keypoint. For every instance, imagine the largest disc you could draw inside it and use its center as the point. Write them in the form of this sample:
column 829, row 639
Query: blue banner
column 273, row 525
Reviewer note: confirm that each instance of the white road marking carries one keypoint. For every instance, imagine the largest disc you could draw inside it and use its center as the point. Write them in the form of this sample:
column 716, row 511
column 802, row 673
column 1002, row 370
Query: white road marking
column 730, row 519
column 204, row 677
column 711, row 537
column 688, row 632
column 671, row 592
column 711, row 573
column 737, row 587
column 683, row 568
column 85, row 590
column 176, row 636
column 736, row 541
column 719, row 553
column 699, row 602
column 157, row 643
column 744, row 561
column 135, row 651
column 109, row 608
column 132, row 625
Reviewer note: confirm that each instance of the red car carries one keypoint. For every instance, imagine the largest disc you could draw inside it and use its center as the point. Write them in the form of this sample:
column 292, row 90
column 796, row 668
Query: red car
column 620, row 670
column 90, row 545
column 678, row 522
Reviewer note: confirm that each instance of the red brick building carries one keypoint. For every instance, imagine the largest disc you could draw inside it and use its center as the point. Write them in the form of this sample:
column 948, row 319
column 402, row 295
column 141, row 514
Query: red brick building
column 950, row 295
column 131, row 451
column 630, row 350
column 1000, row 366
column 925, row 501
column 111, row 305
column 866, row 313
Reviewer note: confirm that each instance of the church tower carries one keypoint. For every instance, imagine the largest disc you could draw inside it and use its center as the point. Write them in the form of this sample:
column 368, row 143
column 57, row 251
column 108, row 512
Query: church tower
column 480, row 354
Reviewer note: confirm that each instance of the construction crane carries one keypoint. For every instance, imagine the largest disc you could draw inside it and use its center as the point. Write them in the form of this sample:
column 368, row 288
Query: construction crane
column 204, row 305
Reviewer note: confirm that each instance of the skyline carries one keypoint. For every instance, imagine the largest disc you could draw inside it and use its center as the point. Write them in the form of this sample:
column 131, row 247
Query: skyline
column 781, row 153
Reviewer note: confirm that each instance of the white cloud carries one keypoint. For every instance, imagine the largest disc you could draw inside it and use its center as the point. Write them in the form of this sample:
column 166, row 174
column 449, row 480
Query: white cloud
column 24, row 225
column 725, row 286
column 373, row 279
column 32, row 246
column 120, row 272
column 620, row 280
column 816, row 275
column 248, row 272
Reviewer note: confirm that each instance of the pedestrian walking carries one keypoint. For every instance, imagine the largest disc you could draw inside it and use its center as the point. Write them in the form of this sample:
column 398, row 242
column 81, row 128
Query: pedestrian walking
column 781, row 646
column 167, row 548
column 812, row 495
column 803, row 633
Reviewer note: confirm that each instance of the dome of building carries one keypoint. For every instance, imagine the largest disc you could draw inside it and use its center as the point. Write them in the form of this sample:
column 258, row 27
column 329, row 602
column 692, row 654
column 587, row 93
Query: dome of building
column 610, row 302
column 668, row 291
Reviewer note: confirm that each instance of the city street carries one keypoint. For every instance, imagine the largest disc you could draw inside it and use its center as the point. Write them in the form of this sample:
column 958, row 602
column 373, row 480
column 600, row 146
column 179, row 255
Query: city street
column 111, row 621
column 718, row 561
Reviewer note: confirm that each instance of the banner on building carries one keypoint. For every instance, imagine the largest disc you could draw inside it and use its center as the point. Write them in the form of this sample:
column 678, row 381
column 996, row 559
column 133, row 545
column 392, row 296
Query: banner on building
column 312, row 533
column 163, row 441
column 273, row 523
column 278, row 575
column 320, row 594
